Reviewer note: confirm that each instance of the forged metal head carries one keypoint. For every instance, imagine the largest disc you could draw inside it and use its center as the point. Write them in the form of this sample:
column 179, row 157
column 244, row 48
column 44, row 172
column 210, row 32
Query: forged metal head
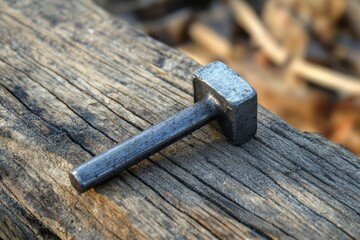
column 236, row 97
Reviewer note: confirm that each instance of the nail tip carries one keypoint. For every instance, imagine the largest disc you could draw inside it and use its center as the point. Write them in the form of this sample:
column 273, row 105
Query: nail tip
column 75, row 182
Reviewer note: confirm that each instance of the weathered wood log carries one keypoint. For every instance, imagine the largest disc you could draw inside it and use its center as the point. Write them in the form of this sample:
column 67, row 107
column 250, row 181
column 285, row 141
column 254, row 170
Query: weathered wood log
column 74, row 81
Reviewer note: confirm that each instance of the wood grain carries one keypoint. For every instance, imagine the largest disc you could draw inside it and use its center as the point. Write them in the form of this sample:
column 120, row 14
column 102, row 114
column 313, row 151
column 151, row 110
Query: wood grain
column 74, row 81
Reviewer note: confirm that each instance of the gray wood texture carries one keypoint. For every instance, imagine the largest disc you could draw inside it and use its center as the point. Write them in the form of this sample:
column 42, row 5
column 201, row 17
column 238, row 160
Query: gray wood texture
column 74, row 81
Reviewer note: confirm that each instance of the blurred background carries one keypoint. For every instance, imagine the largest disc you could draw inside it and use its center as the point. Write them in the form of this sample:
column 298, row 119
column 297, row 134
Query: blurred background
column 302, row 56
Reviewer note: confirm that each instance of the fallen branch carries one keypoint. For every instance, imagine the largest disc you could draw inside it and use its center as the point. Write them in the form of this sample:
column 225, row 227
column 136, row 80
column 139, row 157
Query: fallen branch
column 247, row 19
column 326, row 77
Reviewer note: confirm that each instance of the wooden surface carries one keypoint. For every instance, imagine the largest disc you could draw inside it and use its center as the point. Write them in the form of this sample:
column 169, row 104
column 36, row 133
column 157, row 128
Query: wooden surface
column 75, row 81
